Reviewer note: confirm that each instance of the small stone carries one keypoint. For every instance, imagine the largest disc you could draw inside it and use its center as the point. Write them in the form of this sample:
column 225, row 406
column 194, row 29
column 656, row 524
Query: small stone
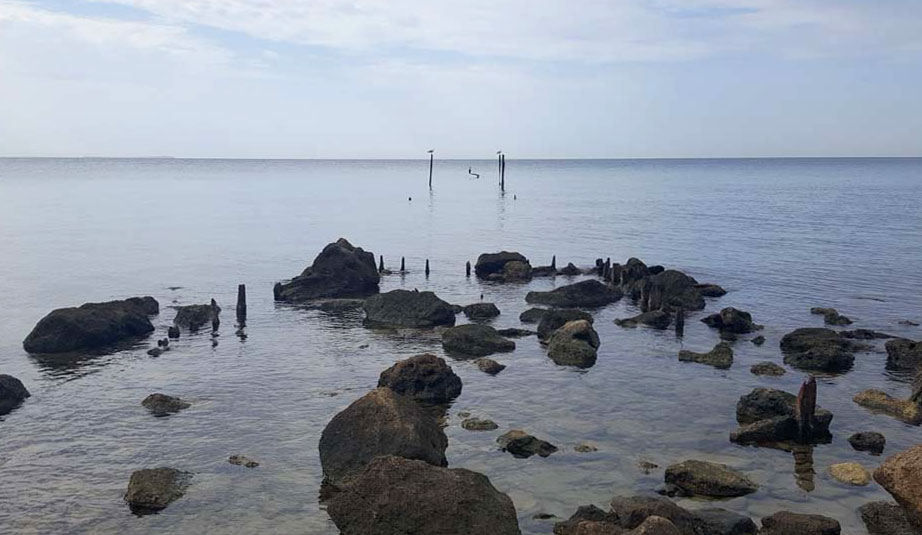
column 463, row 414
column 153, row 489
column 720, row 357
column 585, row 447
column 162, row 404
column 479, row 424
column 767, row 368
column 851, row 473
column 705, row 478
column 758, row 340
column 646, row 466
column 522, row 445
column 489, row 366
column 240, row 460
column 544, row 516
column 871, row 441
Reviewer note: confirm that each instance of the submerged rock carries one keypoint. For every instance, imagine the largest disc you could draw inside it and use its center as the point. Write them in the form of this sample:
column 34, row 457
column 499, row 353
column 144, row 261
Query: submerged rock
column 816, row 349
column 393, row 496
column 522, row 445
column 339, row 271
column 92, row 325
column 241, row 460
column 719, row 357
column 193, row 317
column 12, row 393
column 515, row 333
column 758, row 340
column 767, row 368
column 702, row 478
column 865, row 334
column 851, row 473
column 903, row 354
column 673, row 289
column 585, row 447
column 154, row 488
column 481, row 311
column 494, row 263
column 489, row 366
column 478, row 424
column 731, row 320
column 658, row 319
column 587, row 293
column 831, row 316
column 899, row 475
column 533, row 315
column 710, row 290
column 574, row 344
column 162, row 404
column 557, row 318
column 475, row 340
column 405, row 308
column 879, row 401
column 870, row 441
column 379, row 423
column 424, row 378
column 882, row 518
column 787, row 523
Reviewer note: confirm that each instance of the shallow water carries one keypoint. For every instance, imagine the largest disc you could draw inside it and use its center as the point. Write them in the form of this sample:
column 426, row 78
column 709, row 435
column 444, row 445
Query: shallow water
column 780, row 235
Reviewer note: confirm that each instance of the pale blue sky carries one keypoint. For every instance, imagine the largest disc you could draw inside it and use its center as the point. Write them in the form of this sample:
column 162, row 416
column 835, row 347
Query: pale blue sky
column 379, row 78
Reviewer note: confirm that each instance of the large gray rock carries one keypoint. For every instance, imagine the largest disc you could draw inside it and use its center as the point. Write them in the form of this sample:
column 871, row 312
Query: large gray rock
column 673, row 289
column 882, row 518
column 816, row 349
column 381, row 422
column 557, row 318
column 481, row 311
column 424, row 378
column 731, row 320
column 339, row 271
column 397, row 496
column 494, row 263
column 92, row 325
column 152, row 489
column 587, row 293
column 703, row 478
column 903, row 354
column 405, row 308
column 574, row 344
column 899, row 475
column 786, row 523
column 720, row 357
column 475, row 340
column 12, row 393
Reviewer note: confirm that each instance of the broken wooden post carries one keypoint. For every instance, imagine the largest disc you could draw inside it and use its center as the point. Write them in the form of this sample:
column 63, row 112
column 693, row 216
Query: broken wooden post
column 431, row 156
column 427, row 267
column 467, row 269
column 805, row 409
column 381, row 264
column 403, row 265
column 215, row 311
column 680, row 322
column 554, row 262
column 241, row 303
column 502, row 174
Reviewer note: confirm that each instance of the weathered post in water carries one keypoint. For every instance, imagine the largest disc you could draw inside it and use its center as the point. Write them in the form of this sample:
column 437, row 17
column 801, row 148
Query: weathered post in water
column 431, row 156
column 427, row 268
column 680, row 322
column 241, row 304
column 502, row 173
column 467, row 269
column 554, row 262
column 381, row 264
column 403, row 264
column 215, row 320
column 805, row 409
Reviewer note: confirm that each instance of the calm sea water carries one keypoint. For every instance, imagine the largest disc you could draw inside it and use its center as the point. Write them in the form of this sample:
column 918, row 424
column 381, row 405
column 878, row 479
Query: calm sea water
column 780, row 235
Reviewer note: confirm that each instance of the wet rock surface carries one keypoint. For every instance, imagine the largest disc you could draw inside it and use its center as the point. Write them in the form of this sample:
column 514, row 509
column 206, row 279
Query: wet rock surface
column 767, row 368
column 731, row 320
column 516, row 333
column 899, row 475
column 92, row 325
column 522, row 445
column 478, row 424
column 489, row 366
column 393, row 496
column 710, row 290
column 883, row 518
column 339, row 271
column 703, row 478
column 864, row 334
column 817, row 349
column 555, row 319
column 883, row 403
column 533, row 315
column 424, row 378
column 481, row 311
column 787, row 523
column 494, row 263
column 162, row 404
column 587, row 293
column 194, row 317
column 407, row 308
column 152, row 489
column 672, row 289
column 719, row 357
column 475, row 340
column 903, row 354
column 657, row 319
column 576, row 343
column 869, row 441
column 12, row 393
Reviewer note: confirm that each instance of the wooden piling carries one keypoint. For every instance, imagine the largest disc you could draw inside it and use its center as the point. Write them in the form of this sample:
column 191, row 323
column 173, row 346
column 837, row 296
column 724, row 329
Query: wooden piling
column 381, row 264
column 403, row 264
column 680, row 322
column 241, row 303
column 554, row 262
column 427, row 267
column 431, row 157
column 467, row 269
column 805, row 409
column 215, row 312
column 502, row 173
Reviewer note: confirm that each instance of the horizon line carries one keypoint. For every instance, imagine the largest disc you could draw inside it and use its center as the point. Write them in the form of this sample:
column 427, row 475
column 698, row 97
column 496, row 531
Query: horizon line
column 614, row 158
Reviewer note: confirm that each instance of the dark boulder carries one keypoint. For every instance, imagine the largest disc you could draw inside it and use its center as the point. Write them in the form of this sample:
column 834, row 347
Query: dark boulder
column 152, row 489
column 396, row 496
column 12, row 393
column 92, row 325
column 424, row 378
column 405, row 308
column 475, row 340
column 657, row 319
column 631, row 512
column 710, row 290
column 570, row 270
column 514, row 271
column 899, row 475
column 515, row 333
column 494, row 263
column 575, row 343
column 908, row 411
column 702, row 478
column 767, row 415
column 870, row 441
column 481, row 311
column 339, row 271
column 489, row 366
column 786, row 523
column 758, row 340
column 720, row 357
column 173, row 331
column 903, row 354
column 194, row 317
column 532, row 315
column 522, row 445
column 831, row 316
column 379, row 423
column 816, row 349
column 556, row 318
column 723, row 522
column 162, row 404
column 587, row 293
column 673, row 289
column 731, row 320
column 882, row 518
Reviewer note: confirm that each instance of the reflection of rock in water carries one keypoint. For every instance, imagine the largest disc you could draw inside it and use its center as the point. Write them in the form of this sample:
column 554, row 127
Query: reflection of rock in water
column 803, row 467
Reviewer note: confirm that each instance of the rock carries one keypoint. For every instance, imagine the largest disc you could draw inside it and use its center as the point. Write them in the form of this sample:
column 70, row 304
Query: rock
column 555, row 319
column 815, row 349
column 767, row 415
column 336, row 306
column 777, row 429
column 570, row 270
column 12, row 393
column 879, row 401
column 899, row 475
column 673, row 289
column 574, row 344
column 589, row 520
column 903, row 354
column 533, row 315
column 152, row 489
column 173, row 331
column 585, row 447
column 475, row 340
column 831, row 316
column 758, row 340
column 702, row 478
column 723, row 522
column 909, row 323
column 494, row 263
column 710, row 290
column 515, row 333
column 631, row 512
column 658, row 319
column 162, row 404
column 786, row 523
column 851, row 473
column 865, row 334
column 870, row 441
column 515, row 271
column 405, row 308
column 481, row 311
column 489, row 366
column 522, row 445
column 193, row 317
column 646, row 466
column 767, row 368
column 241, row 460
column 478, row 424
column 339, row 271
column 719, row 357
column 156, row 351
column 587, row 293
column 882, row 518
column 92, row 325
column 731, row 320
column 424, row 378
column 655, row 525
column 543, row 271
column 379, row 423
column 394, row 496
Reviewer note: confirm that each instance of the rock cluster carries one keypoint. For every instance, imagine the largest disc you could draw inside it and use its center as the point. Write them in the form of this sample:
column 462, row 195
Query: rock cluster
column 767, row 415
column 817, row 349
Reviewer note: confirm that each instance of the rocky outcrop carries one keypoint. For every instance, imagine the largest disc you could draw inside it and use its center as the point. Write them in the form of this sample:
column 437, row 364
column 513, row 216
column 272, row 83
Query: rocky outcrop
column 522, row 445
column 903, row 354
column 162, row 404
column 587, row 293
column 339, row 271
column 489, row 366
column 381, row 422
column 870, row 441
column 720, row 357
column 831, row 316
column 194, row 317
column 786, row 523
column 405, row 308
column 767, row 368
column 672, row 289
column 12, row 393
column 393, row 495
column 424, row 378
column 152, row 489
column 881, row 402
column 574, row 344
column 92, row 325
column 815, row 349
column 731, row 320
column 702, row 478
column 494, row 264
column 899, row 475
column 657, row 319
column 767, row 415
column 475, row 340
column 882, row 518
column 481, row 311
column 556, row 318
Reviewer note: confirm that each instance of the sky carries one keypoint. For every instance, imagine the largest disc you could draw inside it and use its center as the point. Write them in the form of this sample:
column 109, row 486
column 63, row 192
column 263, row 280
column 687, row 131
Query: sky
column 394, row 78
